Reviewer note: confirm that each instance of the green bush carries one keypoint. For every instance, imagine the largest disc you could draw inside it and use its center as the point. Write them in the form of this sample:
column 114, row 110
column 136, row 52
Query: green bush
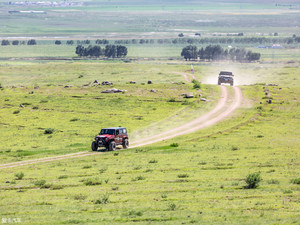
column 253, row 180
column 19, row 176
column 197, row 84
column 40, row 183
column 104, row 199
column 49, row 131
column 172, row 206
column 153, row 161
column 183, row 175
column 174, row 145
column 295, row 181
column 90, row 182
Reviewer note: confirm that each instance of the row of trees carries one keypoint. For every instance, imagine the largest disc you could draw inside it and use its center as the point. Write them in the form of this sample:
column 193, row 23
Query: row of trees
column 216, row 52
column 16, row 42
column 110, row 51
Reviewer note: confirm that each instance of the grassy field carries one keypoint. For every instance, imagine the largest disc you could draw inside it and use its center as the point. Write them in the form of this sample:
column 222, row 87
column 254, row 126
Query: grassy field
column 49, row 107
column 150, row 19
column 199, row 181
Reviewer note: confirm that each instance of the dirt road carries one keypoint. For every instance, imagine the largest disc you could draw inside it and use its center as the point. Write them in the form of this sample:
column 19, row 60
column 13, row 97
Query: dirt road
column 225, row 107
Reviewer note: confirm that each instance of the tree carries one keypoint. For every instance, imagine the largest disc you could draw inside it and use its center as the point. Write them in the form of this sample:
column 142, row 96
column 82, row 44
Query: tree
column 189, row 52
column 5, row 42
column 16, row 42
column 121, row 51
column 70, row 42
column 80, row 50
column 57, row 42
column 31, row 42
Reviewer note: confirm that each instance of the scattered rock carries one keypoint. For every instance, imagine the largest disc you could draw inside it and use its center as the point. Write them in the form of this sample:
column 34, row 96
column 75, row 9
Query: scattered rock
column 188, row 95
column 96, row 82
column 203, row 99
column 67, row 86
column 113, row 90
column 153, row 90
column 272, row 84
column 7, row 182
column 22, row 106
column 132, row 82
column 107, row 83
column 269, row 101
column 85, row 85
column 150, row 82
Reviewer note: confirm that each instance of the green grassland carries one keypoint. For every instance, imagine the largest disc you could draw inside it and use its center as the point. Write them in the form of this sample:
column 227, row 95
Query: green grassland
column 152, row 19
column 197, row 178
column 200, row 181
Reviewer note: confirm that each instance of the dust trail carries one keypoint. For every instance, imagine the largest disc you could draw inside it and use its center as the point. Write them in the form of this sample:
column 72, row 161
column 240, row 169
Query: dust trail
column 207, row 120
column 221, row 104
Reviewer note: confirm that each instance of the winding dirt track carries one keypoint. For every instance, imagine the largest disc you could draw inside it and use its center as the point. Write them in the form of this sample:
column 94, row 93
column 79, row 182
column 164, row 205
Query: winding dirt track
column 225, row 107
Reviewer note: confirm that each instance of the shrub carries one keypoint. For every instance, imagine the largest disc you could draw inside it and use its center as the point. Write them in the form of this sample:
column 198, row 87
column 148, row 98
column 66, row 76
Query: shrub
column 234, row 148
column 74, row 119
column 90, row 182
column 80, row 197
column 133, row 213
column 40, row 183
column 174, row 145
column 138, row 178
column 16, row 112
column 63, row 177
column 197, row 84
column 35, row 107
column 183, row 175
column 87, row 167
column 172, row 206
column 104, row 199
column 295, row 181
column 153, row 161
column 172, row 100
column 49, row 131
column 253, row 180
column 19, row 176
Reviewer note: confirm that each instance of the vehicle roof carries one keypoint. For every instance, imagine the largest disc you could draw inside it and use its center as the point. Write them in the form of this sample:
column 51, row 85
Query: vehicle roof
column 226, row 73
column 114, row 128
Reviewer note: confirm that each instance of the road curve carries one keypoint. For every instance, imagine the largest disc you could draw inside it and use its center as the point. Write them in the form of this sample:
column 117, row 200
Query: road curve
column 222, row 110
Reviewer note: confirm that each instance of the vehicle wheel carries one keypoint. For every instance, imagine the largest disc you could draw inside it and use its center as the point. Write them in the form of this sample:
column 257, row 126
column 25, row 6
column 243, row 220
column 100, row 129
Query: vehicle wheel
column 94, row 146
column 112, row 146
column 125, row 144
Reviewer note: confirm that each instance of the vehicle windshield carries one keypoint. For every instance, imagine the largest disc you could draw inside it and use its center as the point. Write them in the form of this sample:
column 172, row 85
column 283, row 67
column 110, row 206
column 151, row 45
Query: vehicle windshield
column 107, row 131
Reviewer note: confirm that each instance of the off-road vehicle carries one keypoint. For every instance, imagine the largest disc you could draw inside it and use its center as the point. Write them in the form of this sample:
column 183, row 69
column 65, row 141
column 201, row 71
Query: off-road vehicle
column 110, row 138
column 225, row 77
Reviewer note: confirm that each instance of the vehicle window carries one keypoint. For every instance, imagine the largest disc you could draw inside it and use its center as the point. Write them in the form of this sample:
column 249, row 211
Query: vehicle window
column 124, row 131
column 117, row 132
column 107, row 131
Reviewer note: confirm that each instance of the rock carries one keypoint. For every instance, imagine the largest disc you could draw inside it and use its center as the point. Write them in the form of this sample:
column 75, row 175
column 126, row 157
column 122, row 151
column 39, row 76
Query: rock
column 203, row 99
column 113, row 90
column 189, row 96
column 22, row 106
column 149, row 82
column 95, row 82
column 153, row 90
column 269, row 101
column 7, row 182
column 132, row 82
column 67, row 86
column 106, row 83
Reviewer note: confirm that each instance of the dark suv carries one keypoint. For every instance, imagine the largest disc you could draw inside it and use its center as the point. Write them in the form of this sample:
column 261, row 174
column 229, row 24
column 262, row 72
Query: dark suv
column 225, row 77
column 110, row 138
